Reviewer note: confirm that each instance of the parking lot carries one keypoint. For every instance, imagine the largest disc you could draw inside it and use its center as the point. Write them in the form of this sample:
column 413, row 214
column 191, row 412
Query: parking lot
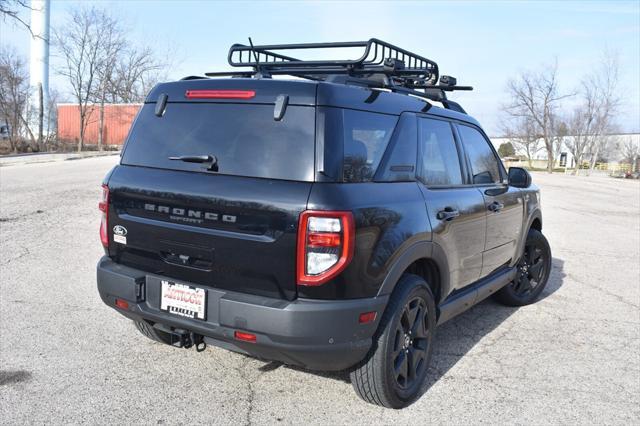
column 573, row 357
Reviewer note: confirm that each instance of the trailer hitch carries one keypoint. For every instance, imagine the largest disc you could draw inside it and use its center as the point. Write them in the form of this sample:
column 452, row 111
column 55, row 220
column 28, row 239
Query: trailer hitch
column 187, row 339
column 198, row 342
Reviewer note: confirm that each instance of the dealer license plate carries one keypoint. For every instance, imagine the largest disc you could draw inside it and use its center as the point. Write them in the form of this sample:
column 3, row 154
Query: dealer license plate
column 183, row 300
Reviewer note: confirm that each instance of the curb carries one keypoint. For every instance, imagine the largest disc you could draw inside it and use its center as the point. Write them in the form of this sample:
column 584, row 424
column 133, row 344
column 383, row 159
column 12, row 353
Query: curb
column 15, row 160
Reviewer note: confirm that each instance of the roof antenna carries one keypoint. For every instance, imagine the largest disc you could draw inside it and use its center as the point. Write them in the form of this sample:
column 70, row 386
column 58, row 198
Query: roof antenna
column 259, row 73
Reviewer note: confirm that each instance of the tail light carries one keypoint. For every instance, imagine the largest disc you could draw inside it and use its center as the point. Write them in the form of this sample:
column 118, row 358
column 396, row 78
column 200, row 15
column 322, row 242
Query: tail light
column 103, row 205
column 325, row 245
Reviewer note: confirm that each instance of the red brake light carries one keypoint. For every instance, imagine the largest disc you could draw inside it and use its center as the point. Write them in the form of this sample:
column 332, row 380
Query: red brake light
column 325, row 245
column 245, row 337
column 219, row 94
column 103, row 205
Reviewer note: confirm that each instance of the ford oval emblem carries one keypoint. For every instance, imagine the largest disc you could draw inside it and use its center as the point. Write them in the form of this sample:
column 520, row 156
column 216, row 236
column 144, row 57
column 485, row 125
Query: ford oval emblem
column 120, row 230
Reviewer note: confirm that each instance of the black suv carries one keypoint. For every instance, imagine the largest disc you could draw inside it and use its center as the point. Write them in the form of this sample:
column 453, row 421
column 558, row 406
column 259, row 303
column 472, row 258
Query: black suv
column 329, row 221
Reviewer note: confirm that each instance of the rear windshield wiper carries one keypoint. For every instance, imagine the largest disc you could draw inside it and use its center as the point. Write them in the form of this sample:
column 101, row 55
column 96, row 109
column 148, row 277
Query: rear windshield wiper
column 199, row 159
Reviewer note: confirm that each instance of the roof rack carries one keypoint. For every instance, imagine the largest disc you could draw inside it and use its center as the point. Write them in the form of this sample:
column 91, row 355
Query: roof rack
column 381, row 65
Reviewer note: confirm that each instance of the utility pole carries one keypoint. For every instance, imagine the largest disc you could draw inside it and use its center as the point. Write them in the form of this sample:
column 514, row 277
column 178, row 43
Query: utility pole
column 39, row 66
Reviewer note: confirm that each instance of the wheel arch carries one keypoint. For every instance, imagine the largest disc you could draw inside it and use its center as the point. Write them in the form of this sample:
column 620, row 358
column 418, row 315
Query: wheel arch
column 426, row 259
column 534, row 222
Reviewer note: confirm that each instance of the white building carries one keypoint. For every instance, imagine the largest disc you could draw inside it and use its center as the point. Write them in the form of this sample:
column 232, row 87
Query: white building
column 614, row 152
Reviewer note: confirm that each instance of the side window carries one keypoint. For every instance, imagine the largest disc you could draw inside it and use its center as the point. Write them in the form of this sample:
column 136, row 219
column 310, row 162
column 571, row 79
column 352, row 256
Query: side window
column 438, row 161
column 366, row 136
column 484, row 164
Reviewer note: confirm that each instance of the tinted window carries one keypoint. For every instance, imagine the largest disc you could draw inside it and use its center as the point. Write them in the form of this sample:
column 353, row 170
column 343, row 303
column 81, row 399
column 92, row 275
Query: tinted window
column 245, row 138
column 402, row 151
column 366, row 136
column 438, row 163
column 484, row 164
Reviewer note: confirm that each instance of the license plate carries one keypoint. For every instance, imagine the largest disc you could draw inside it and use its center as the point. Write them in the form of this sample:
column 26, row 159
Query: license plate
column 183, row 300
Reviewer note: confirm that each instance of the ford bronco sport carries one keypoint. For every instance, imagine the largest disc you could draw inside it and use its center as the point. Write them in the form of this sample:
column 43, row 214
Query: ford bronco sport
column 331, row 221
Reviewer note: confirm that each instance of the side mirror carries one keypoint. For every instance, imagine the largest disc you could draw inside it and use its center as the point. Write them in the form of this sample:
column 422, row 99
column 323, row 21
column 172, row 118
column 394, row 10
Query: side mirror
column 519, row 177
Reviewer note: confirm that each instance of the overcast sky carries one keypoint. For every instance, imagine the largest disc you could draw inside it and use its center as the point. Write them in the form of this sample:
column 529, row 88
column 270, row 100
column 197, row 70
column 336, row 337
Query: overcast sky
column 483, row 44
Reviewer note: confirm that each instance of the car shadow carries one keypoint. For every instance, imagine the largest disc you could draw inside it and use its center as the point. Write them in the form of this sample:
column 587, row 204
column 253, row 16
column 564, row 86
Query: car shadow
column 455, row 338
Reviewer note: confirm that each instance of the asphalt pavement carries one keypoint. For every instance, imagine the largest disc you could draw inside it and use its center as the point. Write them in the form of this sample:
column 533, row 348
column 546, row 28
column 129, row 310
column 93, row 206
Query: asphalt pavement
column 573, row 357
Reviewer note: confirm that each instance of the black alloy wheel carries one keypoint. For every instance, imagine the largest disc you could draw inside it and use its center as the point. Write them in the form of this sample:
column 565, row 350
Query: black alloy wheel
column 411, row 343
column 532, row 268
column 532, row 272
column 394, row 373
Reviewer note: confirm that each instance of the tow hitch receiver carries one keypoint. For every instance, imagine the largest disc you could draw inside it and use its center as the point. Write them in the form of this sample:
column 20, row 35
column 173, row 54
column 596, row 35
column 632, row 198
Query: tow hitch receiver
column 187, row 339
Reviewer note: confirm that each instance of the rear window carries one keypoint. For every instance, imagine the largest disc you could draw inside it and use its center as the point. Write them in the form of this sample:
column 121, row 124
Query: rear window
column 245, row 139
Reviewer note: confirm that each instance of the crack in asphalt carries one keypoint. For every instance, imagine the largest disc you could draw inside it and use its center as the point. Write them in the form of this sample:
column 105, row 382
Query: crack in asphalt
column 242, row 372
column 25, row 252
column 252, row 393
column 603, row 290
column 250, row 385
column 498, row 381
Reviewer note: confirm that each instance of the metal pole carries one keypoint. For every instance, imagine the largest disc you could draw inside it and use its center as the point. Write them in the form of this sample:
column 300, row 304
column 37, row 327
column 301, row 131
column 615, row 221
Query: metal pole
column 39, row 64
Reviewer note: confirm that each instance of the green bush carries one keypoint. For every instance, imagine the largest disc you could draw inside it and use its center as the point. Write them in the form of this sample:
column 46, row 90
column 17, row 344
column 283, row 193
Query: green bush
column 506, row 150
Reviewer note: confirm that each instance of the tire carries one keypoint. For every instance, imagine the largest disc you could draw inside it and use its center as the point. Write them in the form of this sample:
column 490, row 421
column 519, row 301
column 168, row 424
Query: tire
column 377, row 380
column 533, row 271
column 152, row 333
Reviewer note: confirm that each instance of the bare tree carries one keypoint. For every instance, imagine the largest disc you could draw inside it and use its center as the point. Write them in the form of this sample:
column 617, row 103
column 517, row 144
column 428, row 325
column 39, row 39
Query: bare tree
column 137, row 71
column 561, row 131
column 630, row 151
column 113, row 44
column 521, row 132
column 14, row 96
column 128, row 75
column 603, row 83
column 51, row 118
column 583, row 125
column 10, row 9
column 81, row 41
column 535, row 98
column 102, row 66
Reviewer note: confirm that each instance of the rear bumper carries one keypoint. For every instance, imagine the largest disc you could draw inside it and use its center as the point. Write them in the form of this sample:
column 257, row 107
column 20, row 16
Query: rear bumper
column 314, row 334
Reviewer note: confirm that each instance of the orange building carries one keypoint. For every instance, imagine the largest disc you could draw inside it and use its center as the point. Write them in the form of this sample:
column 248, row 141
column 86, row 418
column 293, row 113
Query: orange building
column 117, row 122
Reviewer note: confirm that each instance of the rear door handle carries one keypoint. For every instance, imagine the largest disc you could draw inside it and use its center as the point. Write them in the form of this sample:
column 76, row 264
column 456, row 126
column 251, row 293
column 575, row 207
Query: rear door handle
column 495, row 207
column 448, row 213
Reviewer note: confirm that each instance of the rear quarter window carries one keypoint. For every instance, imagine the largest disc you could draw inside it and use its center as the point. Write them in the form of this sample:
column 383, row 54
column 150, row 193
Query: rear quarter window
column 366, row 136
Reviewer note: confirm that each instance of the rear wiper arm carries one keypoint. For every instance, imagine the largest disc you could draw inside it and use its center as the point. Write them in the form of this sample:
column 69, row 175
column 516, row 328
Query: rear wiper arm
column 199, row 159
column 193, row 158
